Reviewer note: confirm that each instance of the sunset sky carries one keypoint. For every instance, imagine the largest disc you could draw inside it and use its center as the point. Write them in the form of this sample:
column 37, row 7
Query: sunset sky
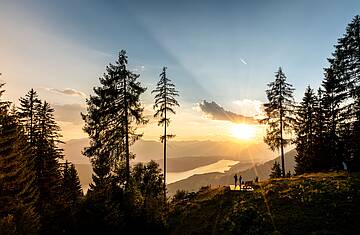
column 220, row 54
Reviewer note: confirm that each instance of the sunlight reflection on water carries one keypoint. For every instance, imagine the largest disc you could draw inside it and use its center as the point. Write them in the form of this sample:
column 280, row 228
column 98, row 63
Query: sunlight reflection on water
column 220, row 166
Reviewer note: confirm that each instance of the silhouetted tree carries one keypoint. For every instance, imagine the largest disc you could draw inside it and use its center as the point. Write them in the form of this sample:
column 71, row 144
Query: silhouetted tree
column 71, row 186
column 164, row 103
column 344, row 71
column 335, row 115
column 27, row 114
column 149, row 181
column 18, row 193
column 276, row 171
column 112, row 114
column 48, row 154
column 43, row 136
column 306, row 133
column 279, row 117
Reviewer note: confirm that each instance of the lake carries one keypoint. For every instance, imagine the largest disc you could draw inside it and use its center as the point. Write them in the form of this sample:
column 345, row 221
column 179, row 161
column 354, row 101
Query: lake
column 220, row 166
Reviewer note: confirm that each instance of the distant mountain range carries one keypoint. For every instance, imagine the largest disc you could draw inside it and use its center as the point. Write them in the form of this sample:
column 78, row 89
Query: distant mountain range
column 185, row 156
column 147, row 150
column 195, row 182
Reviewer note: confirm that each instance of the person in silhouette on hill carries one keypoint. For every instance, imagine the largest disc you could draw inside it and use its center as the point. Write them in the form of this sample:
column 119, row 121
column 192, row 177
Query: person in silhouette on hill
column 240, row 178
column 236, row 179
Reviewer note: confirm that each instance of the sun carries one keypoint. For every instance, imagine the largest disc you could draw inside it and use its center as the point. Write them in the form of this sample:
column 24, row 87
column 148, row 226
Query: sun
column 243, row 131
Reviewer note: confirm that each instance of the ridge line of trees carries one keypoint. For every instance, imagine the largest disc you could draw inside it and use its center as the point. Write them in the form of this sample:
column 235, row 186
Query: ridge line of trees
column 327, row 124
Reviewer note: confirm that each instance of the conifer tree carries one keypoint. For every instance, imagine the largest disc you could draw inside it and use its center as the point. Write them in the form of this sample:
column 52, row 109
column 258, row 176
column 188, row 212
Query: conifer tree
column 346, row 70
column 112, row 115
column 164, row 103
column 276, row 171
column 27, row 113
column 306, row 133
column 335, row 115
column 18, row 193
column 48, row 153
column 42, row 135
column 72, row 191
column 278, row 113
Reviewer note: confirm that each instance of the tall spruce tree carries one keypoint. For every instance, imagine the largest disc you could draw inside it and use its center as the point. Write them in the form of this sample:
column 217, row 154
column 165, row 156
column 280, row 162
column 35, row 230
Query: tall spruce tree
column 307, row 133
column 112, row 115
column 18, row 193
column 43, row 136
column 345, row 66
column 48, row 154
column 279, row 117
column 27, row 113
column 164, row 103
column 335, row 115
column 71, row 187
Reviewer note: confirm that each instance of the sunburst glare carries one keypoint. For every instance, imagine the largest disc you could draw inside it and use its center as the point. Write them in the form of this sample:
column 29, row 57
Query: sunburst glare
column 243, row 131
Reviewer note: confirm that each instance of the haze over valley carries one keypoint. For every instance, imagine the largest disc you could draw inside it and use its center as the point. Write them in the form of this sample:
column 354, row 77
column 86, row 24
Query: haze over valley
column 186, row 159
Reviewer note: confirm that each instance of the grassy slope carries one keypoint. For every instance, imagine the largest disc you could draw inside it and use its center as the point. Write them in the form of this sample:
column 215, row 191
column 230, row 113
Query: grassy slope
column 322, row 203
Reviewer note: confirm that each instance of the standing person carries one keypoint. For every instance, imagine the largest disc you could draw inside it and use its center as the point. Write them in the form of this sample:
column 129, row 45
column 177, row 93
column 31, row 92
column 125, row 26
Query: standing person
column 236, row 179
column 240, row 178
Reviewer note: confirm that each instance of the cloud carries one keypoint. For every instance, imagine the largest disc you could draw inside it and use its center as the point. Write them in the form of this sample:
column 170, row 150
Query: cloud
column 67, row 91
column 253, row 108
column 216, row 112
column 69, row 113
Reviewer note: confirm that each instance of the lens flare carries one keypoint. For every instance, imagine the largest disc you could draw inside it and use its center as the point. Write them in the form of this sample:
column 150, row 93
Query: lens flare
column 243, row 131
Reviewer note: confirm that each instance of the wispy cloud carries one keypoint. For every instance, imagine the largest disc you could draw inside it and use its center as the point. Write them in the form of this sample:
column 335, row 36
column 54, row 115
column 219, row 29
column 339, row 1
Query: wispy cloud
column 69, row 113
column 216, row 112
column 67, row 91
column 247, row 107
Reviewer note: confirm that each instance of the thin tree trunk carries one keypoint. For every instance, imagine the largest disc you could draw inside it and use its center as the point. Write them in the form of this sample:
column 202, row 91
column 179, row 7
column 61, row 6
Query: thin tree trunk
column 282, row 147
column 165, row 159
column 165, row 145
column 127, row 154
column 281, row 136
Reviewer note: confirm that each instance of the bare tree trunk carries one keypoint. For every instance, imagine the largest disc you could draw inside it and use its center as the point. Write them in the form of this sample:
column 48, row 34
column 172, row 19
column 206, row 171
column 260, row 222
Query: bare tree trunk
column 165, row 147
column 282, row 144
column 165, row 159
column 127, row 153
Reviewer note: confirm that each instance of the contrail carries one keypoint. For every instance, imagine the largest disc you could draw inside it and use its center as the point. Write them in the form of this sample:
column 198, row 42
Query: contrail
column 243, row 61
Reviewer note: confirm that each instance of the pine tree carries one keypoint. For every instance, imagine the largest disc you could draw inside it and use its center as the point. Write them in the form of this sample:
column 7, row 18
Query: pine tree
column 278, row 113
column 18, row 193
column 112, row 115
column 335, row 115
column 164, row 103
column 71, row 186
column 345, row 65
column 27, row 113
column 306, row 133
column 276, row 171
column 43, row 136
column 48, row 154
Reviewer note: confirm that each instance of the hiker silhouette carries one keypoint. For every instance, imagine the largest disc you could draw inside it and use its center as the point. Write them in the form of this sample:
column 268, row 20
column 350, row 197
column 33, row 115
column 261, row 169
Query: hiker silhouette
column 236, row 179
